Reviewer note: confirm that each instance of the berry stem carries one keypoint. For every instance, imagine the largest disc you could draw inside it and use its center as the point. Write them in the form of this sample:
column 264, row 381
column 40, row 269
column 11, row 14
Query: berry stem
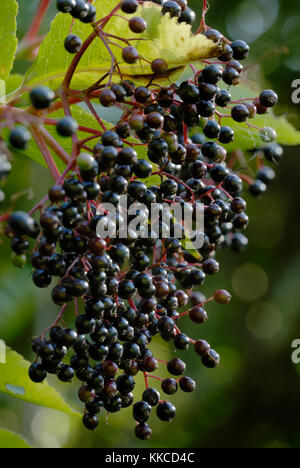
column 185, row 133
column 59, row 182
column 146, row 380
column 56, row 321
column 76, row 306
column 247, row 179
column 183, row 314
column 179, row 181
column 45, row 152
column 132, row 304
column 203, row 17
column 91, row 107
column 113, row 58
column 154, row 377
column 61, row 153
column 105, row 20
column 69, row 75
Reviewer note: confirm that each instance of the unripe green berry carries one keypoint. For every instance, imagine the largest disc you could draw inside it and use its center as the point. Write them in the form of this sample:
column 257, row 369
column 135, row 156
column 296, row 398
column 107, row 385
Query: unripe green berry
column 268, row 134
column 85, row 161
column 19, row 260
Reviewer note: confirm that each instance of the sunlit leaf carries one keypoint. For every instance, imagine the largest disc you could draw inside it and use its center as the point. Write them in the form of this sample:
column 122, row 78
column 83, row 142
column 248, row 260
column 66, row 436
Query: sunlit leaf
column 13, row 82
column 8, row 38
column 9, row 439
column 14, row 381
column 247, row 138
column 164, row 38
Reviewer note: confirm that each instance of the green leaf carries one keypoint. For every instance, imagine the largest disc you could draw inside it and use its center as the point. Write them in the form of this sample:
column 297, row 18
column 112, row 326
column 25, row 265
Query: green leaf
column 163, row 38
column 14, row 381
column 8, row 38
column 13, row 82
column 2, row 92
column 9, row 439
column 247, row 138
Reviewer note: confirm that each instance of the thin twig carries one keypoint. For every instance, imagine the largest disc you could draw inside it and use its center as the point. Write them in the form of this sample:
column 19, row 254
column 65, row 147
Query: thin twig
column 37, row 21
column 45, row 152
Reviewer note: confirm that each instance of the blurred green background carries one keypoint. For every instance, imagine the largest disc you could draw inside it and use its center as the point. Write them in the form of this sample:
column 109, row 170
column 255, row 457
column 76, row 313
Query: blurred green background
column 252, row 399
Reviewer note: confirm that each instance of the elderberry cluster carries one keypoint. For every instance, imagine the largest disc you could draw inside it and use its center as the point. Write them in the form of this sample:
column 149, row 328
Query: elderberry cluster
column 127, row 290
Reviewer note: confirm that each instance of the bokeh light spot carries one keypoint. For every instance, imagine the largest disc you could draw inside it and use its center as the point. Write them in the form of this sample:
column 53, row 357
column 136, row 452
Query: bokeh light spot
column 250, row 282
column 264, row 320
column 50, row 428
column 252, row 19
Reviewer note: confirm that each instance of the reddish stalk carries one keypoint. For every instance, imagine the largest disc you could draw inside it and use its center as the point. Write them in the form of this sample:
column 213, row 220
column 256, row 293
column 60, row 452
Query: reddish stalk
column 76, row 306
column 246, row 179
column 37, row 21
column 45, row 153
column 154, row 377
column 185, row 133
column 203, row 17
column 56, row 322
column 176, row 180
column 76, row 60
column 113, row 58
column 146, row 379
column 183, row 314
column 59, row 182
column 132, row 304
column 61, row 153
column 4, row 218
column 91, row 107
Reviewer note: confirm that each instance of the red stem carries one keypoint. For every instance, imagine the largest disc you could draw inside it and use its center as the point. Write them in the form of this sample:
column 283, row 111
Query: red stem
column 45, row 153
column 154, row 377
column 183, row 314
column 132, row 304
column 56, row 322
column 76, row 60
column 59, row 182
column 146, row 379
column 4, row 218
column 61, row 153
column 37, row 20
column 176, row 180
column 91, row 107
